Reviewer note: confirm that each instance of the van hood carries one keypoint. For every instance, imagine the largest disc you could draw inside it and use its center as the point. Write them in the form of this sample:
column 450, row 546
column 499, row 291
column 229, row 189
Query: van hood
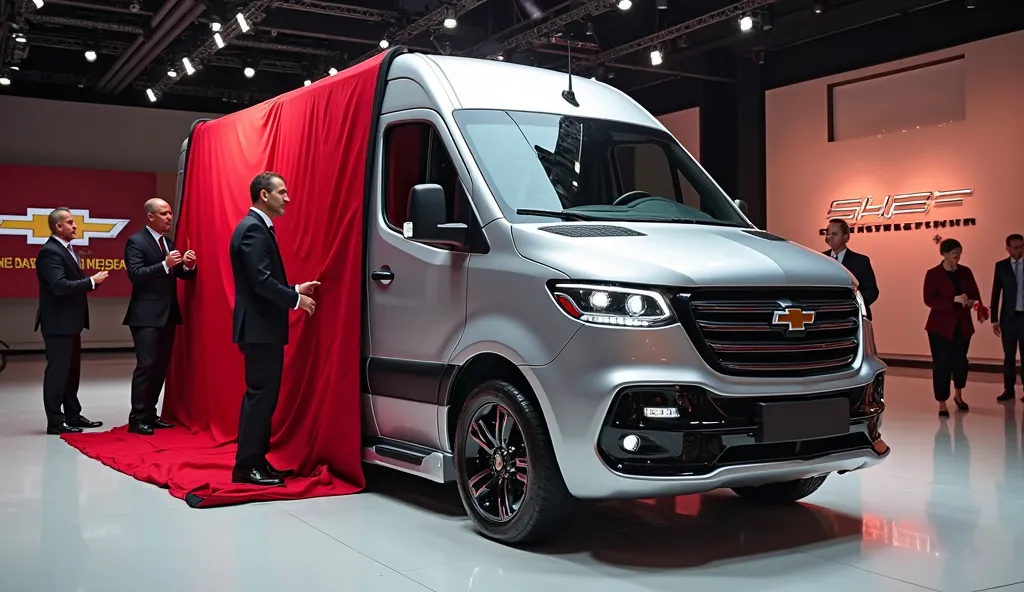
column 681, row 255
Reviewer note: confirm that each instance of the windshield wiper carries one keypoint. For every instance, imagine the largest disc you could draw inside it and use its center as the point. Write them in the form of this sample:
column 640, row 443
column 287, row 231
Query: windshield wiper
column 564, row 214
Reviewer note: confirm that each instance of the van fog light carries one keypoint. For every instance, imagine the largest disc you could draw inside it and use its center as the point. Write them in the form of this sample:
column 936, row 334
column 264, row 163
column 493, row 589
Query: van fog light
column 661, row 412
column 631, row 443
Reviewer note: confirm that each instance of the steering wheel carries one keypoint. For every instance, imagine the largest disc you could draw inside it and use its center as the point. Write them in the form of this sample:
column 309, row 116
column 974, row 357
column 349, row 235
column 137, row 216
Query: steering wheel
column 630, row 197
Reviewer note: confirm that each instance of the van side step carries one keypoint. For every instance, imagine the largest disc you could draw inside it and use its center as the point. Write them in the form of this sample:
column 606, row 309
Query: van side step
column 409, row 458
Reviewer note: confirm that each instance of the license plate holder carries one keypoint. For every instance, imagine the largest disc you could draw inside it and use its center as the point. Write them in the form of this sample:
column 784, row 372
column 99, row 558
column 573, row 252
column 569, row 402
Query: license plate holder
column 804, row 420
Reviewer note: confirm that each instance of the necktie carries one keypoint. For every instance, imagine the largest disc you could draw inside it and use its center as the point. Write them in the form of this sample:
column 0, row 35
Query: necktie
column 71, row 250
column 836, row 257
column 163, row 246
column 1019, row 276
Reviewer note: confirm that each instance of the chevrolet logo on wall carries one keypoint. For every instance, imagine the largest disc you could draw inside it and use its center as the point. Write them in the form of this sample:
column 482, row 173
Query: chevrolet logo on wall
column 34, row 226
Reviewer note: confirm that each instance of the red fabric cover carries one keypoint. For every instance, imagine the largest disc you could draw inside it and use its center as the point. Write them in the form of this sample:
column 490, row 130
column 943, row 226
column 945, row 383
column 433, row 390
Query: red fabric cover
column 317, row 138
column 945, row 314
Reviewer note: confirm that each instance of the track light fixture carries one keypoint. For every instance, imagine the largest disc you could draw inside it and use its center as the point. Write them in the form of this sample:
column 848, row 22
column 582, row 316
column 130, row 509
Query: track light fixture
column 450, row 19
column 307, row 82
column 661, row 4
column 819, row 8
column 656, row 57
column 746, row 23
column 218, row 40
column 249, row 71
column 90, row 55
column 172, row 73
column 38, row 3
column 5, row 81
column 188, row 66
column 384, row 43
column 625, row 4
column 242, row 23
column 332, row 72
column 151, row 95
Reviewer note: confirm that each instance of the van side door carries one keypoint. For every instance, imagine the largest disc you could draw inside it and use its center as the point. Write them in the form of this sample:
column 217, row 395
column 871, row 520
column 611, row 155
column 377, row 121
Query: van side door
column 416, row 293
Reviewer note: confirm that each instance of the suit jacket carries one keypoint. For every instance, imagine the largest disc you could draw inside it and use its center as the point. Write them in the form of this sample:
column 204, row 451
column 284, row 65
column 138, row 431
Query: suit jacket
column 945, row 314
column 1004, row 284
column 154, row 300
column 262, row 294
column 860, row 266
column 63, row 292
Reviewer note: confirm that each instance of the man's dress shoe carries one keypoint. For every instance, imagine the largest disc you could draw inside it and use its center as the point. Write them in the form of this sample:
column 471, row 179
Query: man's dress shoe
column 142, row 429
column 254, row 477
column 62, row 429
column 159, row 424
column 277, row 473
column 83, row 423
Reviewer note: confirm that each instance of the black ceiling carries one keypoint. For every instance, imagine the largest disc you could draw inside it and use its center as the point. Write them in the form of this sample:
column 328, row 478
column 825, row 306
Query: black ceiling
column 138, row 41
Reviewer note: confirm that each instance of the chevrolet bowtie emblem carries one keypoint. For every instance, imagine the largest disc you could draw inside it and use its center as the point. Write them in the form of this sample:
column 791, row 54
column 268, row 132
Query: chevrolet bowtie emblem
column 794, row 319
column 34, row 226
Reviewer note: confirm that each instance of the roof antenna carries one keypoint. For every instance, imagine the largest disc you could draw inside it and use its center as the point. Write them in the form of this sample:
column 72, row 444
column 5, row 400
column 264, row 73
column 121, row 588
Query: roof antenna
column 568, row 95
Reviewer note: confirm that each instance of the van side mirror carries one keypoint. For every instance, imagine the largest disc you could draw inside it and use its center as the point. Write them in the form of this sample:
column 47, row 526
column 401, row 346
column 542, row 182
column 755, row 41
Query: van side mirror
column 742, row 205
column 426, row 221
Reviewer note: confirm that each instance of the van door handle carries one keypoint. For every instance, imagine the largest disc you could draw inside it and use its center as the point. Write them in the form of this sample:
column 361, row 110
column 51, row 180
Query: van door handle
column 383, row 275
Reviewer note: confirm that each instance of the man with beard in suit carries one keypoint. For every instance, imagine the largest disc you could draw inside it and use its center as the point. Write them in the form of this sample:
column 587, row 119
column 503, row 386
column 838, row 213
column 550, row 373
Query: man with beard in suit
column 837, row 236
column 154, row 268
column 263, row 298
column 62, row 316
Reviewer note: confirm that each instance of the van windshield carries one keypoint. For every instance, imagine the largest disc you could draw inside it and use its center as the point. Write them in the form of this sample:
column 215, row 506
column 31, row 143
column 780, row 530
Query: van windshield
column 540, row 165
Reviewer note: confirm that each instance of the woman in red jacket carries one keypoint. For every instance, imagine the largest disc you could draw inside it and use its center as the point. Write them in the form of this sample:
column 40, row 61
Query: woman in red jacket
column 950, row 291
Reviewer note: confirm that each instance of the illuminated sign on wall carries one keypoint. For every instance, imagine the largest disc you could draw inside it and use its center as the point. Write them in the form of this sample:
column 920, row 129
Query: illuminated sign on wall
column 887, row 214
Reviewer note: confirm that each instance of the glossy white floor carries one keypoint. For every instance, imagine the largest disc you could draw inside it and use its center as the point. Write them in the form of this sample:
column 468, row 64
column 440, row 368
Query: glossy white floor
column 945, row 512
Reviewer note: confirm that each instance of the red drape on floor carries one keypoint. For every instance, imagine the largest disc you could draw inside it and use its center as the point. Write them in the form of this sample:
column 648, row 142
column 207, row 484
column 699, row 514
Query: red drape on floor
column 317, row 138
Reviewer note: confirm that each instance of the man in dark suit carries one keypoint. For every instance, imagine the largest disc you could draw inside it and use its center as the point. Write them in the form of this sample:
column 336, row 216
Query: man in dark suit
column 837, row 236
column 62, row 316
column 1008, row 319
column 154, row 267
column 263, row 298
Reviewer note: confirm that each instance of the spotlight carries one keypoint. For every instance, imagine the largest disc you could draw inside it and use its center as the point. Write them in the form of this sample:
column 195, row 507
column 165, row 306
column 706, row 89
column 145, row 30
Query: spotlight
column 746, row 23
column 215, row 26
column 242, row 23
column 172, row 73
column 188, row 66
column 90, row 56
column 151, row 95
column 5, row 81
column 332, row 71
column 19, row 38
column 661, row 4
column 384, row 43
column 656, row 57
column 38, row 3
column 450, row 22
column 249, row 72
column 307, row 82
column 625, row 4
column 818, row 8
column 218, row 40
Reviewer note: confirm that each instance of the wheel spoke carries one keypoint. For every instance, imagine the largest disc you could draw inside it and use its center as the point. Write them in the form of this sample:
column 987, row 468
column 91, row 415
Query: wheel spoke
column 480, row 484
column 503, row 425
column 504, row 502
column 522, row 471
column 479, row 433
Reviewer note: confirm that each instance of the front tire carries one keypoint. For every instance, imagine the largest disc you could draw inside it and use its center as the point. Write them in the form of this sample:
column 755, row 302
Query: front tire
column 781, row 493
column 505, row 466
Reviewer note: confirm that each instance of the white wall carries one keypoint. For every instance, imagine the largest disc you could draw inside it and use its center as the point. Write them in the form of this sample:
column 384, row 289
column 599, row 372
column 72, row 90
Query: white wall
column 82, row 135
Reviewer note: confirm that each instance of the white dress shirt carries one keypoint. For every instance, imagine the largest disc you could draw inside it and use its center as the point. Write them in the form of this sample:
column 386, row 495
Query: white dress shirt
column 74, row 255
column 270, row 224
column 839, row 256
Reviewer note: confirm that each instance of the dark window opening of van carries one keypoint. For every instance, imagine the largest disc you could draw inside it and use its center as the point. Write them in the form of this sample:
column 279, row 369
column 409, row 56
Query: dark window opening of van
column 577, row 168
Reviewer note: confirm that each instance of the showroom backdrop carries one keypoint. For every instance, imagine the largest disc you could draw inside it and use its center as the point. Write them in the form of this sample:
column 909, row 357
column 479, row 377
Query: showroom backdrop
column 907, row 152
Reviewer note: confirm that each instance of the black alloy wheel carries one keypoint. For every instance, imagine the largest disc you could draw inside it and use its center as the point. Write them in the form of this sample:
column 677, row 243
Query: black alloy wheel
column 505, row 466
column 497, row 460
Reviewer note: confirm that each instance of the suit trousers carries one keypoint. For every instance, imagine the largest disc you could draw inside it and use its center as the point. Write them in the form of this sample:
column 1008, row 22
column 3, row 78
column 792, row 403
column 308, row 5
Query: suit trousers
column 1013, row 342
column 153, row 347
column 61, row 378
column 949, row 361
column 264, row 364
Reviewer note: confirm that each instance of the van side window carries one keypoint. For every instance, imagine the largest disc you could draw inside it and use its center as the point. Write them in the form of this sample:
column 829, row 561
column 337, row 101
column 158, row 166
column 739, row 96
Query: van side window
column 414, row 153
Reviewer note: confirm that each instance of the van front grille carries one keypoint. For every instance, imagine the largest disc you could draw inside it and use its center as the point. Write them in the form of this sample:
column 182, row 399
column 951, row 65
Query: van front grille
column 773, row 332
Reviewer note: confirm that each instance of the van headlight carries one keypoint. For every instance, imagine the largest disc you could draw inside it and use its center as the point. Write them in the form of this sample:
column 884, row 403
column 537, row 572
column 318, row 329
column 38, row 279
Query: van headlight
column 863, row 306
column 614, row 306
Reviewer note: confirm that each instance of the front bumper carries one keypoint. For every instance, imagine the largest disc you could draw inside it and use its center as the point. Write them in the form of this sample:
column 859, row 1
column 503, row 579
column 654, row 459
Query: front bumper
column 581, row 390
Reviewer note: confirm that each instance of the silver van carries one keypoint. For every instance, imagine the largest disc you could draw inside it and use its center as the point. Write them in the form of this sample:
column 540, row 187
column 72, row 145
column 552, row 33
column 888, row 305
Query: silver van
column 562, row 304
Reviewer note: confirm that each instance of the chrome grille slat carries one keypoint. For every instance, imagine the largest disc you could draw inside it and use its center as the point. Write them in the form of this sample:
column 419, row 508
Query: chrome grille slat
column 735, row 331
